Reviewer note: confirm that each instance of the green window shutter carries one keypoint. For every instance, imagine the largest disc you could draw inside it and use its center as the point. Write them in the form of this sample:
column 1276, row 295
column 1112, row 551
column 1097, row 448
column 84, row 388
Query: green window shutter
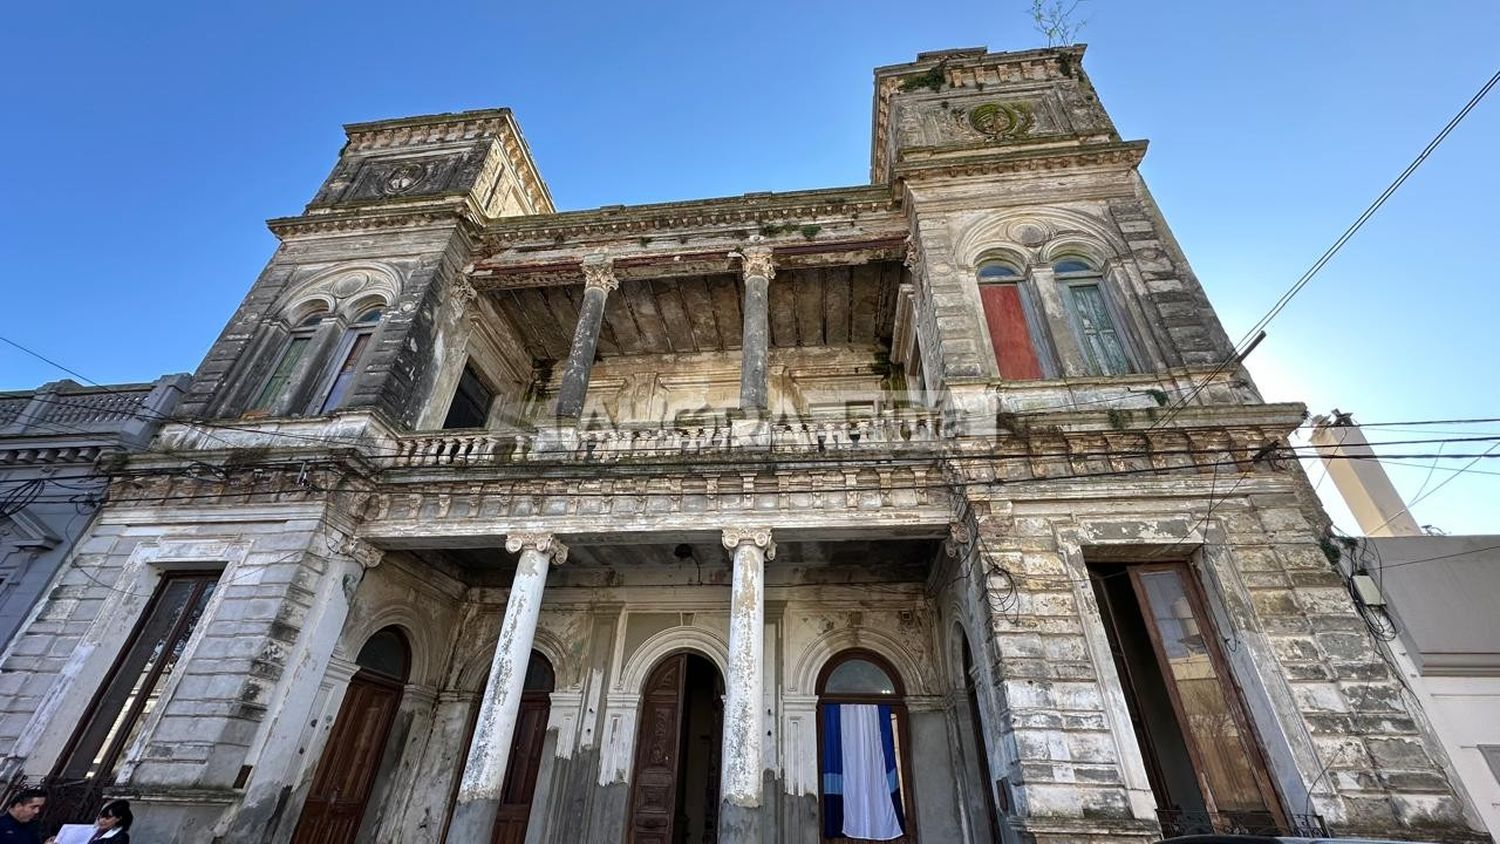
column 289, row 360
column 1101, row 342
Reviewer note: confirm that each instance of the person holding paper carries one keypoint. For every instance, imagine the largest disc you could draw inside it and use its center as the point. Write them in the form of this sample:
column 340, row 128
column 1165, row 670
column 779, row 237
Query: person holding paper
column 110, row 828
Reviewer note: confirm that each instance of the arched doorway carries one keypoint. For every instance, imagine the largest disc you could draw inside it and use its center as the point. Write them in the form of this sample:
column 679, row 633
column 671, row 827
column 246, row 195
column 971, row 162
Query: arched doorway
column 525, row 752
column 351, row 759
column 525, row 760
column 976, row 723
column 863, row 764
column 674, row 796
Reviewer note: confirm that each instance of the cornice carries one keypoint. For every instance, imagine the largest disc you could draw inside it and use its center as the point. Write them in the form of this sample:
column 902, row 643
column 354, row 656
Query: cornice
column 927, row 162
column 751, row 209
column 450, row 209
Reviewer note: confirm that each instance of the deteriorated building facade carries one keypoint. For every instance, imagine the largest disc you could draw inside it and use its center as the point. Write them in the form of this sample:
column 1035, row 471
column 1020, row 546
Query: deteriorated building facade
column 922, row 510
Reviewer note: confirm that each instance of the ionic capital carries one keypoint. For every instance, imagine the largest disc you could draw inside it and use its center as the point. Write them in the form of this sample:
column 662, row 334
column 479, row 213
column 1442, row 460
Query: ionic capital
column 757, row 261
column 544, row 543
column 734, row 537
column 599, row 273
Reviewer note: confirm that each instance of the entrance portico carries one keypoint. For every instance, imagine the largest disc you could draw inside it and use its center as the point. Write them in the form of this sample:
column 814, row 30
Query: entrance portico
column 764, row 607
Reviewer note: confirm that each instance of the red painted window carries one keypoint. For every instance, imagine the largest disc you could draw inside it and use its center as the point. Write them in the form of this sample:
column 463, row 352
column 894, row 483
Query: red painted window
column 1006, row 315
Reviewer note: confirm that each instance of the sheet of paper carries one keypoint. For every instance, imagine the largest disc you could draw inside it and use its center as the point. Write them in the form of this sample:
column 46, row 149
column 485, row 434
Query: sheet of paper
column 75, row 833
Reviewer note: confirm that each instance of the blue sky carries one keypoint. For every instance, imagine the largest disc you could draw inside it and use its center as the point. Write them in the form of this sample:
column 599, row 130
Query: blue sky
column 146, row 144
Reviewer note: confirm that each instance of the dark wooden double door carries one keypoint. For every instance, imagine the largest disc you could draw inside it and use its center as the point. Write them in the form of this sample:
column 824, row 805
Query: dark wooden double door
column 675, row 792
column 346, row 773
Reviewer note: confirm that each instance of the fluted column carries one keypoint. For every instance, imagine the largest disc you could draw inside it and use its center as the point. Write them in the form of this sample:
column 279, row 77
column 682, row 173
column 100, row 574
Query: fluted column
column 740, row 784
column 598, row 280
column 489, row 752
column 757, row 269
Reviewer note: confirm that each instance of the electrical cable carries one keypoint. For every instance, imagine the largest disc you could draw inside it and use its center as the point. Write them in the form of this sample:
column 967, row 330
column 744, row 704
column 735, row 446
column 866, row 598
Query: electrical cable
column 1338, row 244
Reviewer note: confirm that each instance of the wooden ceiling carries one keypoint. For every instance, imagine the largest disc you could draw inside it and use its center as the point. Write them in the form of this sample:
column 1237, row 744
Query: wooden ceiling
column 825, row 306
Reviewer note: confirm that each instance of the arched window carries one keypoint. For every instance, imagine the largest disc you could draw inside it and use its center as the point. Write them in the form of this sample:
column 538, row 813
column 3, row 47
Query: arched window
column 351, row 351
column 862, row 741
column 1092, row 316
column 386, row 654
column 281, row 375
column 1014, row 321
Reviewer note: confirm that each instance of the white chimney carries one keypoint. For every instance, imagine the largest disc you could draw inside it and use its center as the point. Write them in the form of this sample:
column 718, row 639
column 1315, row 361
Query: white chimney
column 1360, row 478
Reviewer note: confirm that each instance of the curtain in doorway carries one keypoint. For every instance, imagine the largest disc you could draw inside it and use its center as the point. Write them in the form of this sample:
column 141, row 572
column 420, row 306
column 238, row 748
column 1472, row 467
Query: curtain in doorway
column 861, row 789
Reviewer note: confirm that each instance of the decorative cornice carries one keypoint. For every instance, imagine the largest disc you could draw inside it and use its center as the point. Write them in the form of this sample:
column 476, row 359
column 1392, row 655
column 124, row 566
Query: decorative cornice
column 749, row 211
column 928, row 163
column 734, row 537
column 756, row 261
column 599, row 273
column 356, row 219
column 544, row 543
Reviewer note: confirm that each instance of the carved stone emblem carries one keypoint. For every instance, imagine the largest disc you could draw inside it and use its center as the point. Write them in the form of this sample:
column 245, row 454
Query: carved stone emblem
column 404, row 178
column 1002, row 120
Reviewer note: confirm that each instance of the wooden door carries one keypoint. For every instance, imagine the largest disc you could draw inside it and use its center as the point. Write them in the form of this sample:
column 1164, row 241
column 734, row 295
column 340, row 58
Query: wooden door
column 341, row 785
column 521, row 770
column 653, row 800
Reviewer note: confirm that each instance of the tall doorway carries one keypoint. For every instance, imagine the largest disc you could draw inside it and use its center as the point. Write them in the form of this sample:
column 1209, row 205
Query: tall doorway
column 346, row 772
column 525, row 760
column 675, row 793
column 1205, row 766
column 525, row 753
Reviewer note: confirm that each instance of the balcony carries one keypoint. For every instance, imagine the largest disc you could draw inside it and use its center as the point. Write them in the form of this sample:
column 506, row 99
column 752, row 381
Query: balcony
column 900, row 430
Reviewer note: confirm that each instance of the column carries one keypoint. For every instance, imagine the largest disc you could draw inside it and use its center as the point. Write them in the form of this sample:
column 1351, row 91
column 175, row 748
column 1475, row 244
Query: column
column 740, row 783
column 758, row 270
column 598, row 280
column 484, row 774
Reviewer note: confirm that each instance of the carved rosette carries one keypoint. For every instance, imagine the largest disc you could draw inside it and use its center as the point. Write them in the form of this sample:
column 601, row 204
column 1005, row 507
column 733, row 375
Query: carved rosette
column 543, row 543
column 757, row 261
column 759, row 537
column 599, row 273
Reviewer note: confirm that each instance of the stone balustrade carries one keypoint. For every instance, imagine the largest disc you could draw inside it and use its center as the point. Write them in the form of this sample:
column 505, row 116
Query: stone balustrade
column 911, row 429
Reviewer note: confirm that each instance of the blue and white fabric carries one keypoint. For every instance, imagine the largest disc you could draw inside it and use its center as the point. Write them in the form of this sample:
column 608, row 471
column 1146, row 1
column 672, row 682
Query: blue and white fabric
column 861, row 789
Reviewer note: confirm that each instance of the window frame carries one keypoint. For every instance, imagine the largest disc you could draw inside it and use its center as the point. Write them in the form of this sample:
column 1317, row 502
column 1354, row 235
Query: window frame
column 347, row 354
column 1227, row 682
column 1094, row 276
column 305, row 331
column 1033, row 312
column 897, row 703
column 117, row 740
column 489, row 405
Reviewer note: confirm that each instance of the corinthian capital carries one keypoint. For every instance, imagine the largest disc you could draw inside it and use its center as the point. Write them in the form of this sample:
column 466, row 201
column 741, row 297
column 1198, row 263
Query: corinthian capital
column 544, row 543
column 464, row 293
column 599, row 272
column 734, row 537
column 756, row 261
column 360, row 551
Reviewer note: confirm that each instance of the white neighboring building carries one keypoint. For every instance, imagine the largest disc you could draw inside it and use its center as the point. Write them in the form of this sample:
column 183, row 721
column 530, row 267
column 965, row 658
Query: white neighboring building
column 1441, row 594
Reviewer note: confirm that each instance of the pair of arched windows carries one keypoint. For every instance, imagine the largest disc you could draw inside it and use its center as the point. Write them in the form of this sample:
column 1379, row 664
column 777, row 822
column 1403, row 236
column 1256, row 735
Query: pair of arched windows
column 297, row 363
column 1020, row 319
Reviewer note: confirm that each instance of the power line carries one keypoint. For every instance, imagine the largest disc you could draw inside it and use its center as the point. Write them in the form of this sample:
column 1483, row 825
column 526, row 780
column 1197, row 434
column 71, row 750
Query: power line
column 1338, row 244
